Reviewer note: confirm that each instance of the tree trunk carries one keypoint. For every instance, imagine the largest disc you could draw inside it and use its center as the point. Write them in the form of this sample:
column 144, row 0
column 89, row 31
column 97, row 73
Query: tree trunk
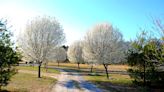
column 78, row 65
column 144, row 75
column 58, row 63
column 1, row 78
column 45, row 66
column 33, row 64
column 39, row 72
column 91, row 68
column 106, row 69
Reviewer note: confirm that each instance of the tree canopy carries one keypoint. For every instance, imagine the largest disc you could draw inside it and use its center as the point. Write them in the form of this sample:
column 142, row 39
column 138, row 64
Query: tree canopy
column 103, row 45
column 40, row 37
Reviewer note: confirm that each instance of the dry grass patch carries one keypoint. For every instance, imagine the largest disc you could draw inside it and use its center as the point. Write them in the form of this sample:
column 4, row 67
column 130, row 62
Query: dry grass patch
column 115, row 67
column 23, row 82
column 34, row 68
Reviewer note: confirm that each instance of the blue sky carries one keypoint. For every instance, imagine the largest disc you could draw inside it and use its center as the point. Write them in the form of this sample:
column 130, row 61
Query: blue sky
column 77, row 16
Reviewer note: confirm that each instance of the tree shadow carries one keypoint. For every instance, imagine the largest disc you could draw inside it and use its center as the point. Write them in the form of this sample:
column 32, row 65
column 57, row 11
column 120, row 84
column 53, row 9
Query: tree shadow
column 3, row 90
column 123, row 88
column 89, row 86
column 69, row 84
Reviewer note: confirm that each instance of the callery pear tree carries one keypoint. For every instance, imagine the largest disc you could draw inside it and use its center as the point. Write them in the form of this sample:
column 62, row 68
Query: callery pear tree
column 60, row 55
column 40, row 37
column 75, row 53
column 103, row 45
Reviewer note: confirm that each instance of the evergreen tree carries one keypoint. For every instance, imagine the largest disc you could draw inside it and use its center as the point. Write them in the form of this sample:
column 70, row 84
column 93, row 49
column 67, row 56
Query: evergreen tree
column 8, row 56
column 144, row 57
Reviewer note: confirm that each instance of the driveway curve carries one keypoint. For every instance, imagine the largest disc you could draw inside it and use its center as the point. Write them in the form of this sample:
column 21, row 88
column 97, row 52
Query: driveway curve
column 72, row 82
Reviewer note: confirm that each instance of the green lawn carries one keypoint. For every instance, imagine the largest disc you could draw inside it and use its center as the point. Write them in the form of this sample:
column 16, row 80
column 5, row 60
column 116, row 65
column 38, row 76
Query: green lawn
column 34, row 68
column 23, row 82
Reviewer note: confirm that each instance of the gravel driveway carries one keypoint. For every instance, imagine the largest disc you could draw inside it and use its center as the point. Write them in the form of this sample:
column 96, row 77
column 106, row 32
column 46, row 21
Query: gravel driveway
column 73, row 82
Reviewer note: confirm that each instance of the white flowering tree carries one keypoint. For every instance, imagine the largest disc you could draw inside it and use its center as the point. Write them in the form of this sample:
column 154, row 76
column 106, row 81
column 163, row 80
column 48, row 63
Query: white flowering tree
column 40, row 37
column 60, row 55
column 103, row 45
column 75, row 53
column 89, row 59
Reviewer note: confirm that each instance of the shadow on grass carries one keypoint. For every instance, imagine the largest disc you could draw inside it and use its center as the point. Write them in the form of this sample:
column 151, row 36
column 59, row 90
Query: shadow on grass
column 87, row 70
column 82, row 72
column 4, row 90
column 14, row 90
column 112, row 87
column 94, row 74
column 121, row 88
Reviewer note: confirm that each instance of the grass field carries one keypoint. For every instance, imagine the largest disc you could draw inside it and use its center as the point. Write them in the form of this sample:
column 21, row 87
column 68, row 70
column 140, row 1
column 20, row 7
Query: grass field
column 97, row 67
column 34, row 68
column 23, row 82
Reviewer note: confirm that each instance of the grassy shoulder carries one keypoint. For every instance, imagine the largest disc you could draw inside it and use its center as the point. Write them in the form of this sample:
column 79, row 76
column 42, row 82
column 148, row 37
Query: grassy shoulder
column 114, row 83
column 23, row 82
column 117, row 79
column 118, row 83
column 34, row 68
